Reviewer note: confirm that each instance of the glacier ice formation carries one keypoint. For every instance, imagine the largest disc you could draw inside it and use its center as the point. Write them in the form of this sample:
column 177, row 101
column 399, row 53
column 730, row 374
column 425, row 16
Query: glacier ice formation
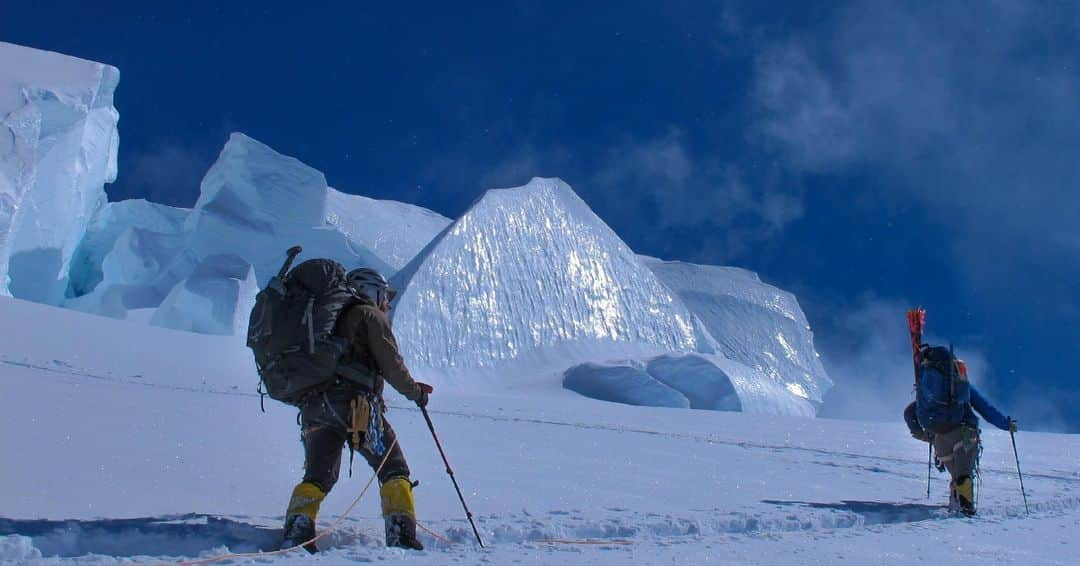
column 694, row 380
column 255, row 203
column 215, row 299
column 752, row 322
column 58, row 145
column 626, row 383
column 393, row 231
column 527, row 269
column 528, row 278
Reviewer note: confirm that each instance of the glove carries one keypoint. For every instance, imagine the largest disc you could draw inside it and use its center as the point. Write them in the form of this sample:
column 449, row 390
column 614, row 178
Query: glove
column 425, row 390
column 922, row 435
column 1012, row 425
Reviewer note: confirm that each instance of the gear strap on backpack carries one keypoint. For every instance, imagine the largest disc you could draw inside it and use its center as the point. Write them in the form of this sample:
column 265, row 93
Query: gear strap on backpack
column 259, row 316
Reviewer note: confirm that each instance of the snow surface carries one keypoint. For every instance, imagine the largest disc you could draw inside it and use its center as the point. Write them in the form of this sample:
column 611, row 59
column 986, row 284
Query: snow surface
column 752, row 322
column 528, row 271
column 129, row 443
column 58, row 145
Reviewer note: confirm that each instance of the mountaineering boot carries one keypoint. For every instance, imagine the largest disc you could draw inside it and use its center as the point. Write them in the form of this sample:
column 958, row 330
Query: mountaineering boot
column 965, row 495
column 298, row 530
column 300, row 516
column 399, row 513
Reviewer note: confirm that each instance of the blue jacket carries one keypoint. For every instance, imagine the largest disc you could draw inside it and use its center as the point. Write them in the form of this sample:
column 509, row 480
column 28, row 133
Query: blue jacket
column 978, row 404
column 984, row 408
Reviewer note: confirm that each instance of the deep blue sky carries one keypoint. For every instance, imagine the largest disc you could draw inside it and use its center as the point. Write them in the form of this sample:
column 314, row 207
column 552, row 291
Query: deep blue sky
column 867, row 158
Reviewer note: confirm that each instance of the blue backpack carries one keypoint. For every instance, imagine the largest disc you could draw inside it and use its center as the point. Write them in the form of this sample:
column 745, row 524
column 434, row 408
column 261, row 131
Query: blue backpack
column 942, row 394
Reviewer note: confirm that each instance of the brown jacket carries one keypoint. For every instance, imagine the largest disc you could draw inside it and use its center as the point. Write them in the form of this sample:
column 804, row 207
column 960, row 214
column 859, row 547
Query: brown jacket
column 374, row 349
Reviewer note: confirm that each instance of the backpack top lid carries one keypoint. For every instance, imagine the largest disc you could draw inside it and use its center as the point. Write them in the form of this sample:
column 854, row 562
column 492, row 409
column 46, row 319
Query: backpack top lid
column 938, row 357
column 317, row 276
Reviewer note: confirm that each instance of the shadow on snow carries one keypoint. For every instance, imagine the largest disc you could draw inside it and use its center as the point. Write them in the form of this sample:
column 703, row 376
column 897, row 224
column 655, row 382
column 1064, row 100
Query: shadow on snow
column 173, row 535
column 876, row 512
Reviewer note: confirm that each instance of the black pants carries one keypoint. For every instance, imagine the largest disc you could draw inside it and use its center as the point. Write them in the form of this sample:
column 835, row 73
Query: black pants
column 324, row 419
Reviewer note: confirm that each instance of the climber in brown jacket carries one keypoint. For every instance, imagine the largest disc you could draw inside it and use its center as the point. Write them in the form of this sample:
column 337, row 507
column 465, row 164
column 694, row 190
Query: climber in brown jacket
column 350, row 411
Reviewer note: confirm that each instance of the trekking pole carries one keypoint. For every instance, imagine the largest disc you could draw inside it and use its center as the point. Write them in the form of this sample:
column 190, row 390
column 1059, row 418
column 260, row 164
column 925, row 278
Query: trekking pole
column 929, row 464
column 1018, row 472
column 449, row 471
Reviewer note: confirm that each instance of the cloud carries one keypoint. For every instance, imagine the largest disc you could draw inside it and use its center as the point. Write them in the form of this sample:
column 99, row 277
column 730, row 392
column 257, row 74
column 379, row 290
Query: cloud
column 657, row 192
column 713, row 202
column 869, row 358
column 168, row 173
column 868, row 355
column 970, row 113
column 526, row 162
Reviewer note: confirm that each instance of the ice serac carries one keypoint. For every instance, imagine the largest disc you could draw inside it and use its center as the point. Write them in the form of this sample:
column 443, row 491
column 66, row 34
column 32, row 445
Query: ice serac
column 394, row 231
column 109, row 223
column 215, row 299
column 753, row 323
column 58, row 145
column 256, row 203
column 137, row 273
column 528, row 269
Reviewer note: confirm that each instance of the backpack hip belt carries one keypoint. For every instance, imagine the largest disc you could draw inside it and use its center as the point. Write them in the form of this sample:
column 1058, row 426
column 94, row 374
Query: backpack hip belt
column 358, row 376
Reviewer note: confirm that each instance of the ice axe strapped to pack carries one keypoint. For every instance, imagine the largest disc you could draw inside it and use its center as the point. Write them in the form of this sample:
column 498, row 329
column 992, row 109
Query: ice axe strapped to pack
column 916, row 320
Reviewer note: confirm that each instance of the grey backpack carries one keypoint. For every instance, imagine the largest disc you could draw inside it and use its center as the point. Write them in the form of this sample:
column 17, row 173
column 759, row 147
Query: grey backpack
column 291, row 330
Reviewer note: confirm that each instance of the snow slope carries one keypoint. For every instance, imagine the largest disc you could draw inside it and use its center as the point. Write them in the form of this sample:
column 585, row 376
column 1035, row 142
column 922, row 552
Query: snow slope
column 132, row 443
